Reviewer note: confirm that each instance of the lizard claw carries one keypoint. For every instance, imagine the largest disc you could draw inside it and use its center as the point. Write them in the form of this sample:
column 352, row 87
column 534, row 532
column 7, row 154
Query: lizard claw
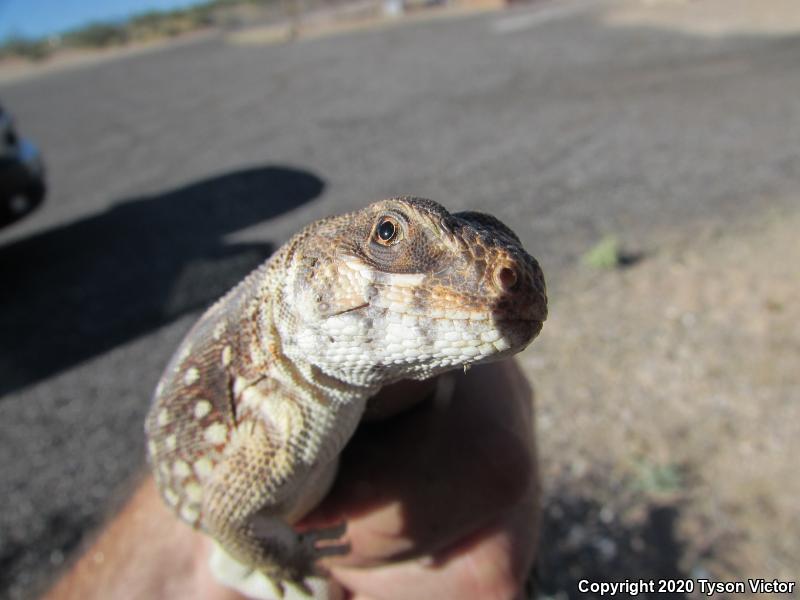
column 308, row 552
column 294, row 555
column 310, row 538
column 277, row 585
column 313, row 546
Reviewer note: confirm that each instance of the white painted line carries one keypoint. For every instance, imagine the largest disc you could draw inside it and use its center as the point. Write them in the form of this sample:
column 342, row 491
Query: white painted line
column 529, row 20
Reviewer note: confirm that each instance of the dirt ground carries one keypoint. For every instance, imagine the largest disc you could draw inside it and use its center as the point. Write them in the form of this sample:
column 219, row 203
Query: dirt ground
column 710, row 17
column 669, row 391
column 669, row 412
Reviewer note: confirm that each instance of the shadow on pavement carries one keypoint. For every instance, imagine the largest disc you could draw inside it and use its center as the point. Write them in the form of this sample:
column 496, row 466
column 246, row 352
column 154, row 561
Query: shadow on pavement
column 78, row 290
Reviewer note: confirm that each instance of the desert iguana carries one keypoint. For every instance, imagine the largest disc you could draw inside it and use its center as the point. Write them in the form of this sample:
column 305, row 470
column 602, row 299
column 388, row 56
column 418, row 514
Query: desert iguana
column 255, row 406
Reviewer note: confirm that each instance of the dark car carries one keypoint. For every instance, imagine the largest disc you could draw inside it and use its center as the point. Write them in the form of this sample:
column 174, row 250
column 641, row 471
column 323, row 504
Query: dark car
column 22, row 186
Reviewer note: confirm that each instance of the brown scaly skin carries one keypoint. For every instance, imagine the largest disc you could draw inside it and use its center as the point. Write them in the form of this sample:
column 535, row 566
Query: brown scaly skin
column 265, row 390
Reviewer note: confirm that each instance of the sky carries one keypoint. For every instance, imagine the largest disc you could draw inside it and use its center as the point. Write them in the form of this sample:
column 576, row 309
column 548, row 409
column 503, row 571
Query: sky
column 35, row 18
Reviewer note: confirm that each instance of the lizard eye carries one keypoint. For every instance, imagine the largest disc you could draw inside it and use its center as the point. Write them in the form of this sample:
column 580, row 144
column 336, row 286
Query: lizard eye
column 388, row 231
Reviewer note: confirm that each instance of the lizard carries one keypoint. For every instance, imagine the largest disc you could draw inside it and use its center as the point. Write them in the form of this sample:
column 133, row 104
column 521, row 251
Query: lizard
column 262, row 394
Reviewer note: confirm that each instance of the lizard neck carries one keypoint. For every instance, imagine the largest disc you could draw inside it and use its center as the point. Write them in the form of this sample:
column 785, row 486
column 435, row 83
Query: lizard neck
column 279, row 322
column 331, row 409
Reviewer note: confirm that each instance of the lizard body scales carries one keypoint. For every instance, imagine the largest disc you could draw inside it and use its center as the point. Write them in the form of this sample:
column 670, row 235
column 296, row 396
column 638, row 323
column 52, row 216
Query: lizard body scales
column 268, row 386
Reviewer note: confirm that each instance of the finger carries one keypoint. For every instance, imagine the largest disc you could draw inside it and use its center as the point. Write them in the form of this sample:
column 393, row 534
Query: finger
column 398, row 397
column 428, row 477
column 492, row 563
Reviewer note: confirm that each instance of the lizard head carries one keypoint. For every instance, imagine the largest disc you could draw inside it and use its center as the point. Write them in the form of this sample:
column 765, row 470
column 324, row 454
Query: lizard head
column 404, row 289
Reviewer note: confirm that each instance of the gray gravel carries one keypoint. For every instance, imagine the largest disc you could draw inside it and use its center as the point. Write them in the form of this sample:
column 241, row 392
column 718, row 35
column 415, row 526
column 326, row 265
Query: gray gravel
column 175, row 172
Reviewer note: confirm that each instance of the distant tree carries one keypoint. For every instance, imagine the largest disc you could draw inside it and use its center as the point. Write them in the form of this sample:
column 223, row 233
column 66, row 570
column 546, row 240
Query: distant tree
column 152, row 24
column 31, row 49
column 97, row 35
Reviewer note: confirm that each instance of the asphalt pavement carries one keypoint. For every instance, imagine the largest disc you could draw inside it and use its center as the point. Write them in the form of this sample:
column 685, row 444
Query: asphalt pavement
column 174, row 172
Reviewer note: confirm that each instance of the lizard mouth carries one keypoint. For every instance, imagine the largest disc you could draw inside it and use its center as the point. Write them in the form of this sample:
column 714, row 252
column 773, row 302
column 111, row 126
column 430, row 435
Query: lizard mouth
column 519, row 330
column 530, row 317
column 351, row 309
column 515, row 320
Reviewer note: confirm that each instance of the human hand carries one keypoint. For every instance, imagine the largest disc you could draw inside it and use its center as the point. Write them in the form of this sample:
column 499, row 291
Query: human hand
column 440, row 501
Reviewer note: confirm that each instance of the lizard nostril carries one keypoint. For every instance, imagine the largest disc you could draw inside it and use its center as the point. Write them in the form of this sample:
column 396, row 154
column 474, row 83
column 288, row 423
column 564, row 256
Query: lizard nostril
column 505, row 278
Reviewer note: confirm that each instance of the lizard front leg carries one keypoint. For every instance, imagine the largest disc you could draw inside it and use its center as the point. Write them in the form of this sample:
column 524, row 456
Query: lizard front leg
column 250, row 496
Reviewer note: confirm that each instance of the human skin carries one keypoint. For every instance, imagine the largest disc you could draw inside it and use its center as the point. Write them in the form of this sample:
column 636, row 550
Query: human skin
column 441, row 501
